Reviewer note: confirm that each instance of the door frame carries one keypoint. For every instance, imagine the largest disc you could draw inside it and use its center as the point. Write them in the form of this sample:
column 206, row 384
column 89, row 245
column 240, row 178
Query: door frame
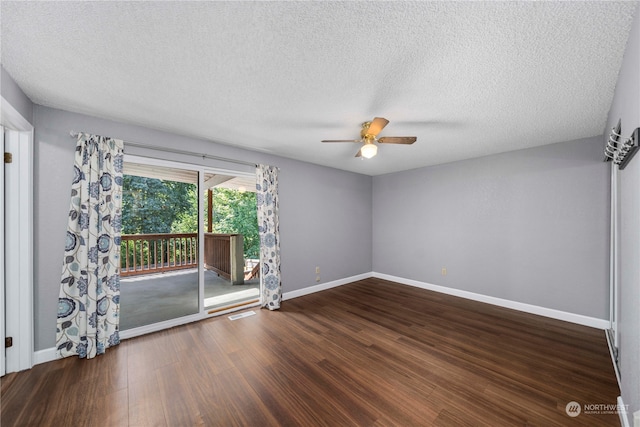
column 18, row 220
column 2, row 238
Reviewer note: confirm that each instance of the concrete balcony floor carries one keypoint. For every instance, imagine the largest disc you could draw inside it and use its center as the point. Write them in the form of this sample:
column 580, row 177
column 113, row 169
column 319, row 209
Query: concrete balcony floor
column 152, row 298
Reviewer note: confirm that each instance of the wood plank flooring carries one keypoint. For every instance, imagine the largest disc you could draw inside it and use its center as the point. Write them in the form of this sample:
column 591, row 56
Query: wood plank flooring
column 370, row 353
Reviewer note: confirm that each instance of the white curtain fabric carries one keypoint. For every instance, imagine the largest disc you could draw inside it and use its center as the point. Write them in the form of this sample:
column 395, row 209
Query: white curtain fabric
column 269, row 230
column 89, row 300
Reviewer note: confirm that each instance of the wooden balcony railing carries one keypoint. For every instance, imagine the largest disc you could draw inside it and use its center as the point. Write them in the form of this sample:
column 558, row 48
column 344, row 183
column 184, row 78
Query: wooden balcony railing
column 157, row 253
column 223, row 253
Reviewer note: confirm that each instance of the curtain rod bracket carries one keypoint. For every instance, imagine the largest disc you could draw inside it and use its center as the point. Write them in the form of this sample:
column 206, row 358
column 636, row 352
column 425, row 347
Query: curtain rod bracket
column 620, row 150
column 629, row 149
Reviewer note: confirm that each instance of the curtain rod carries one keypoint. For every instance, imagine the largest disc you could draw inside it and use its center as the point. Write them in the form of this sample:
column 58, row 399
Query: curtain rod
column 75, row 134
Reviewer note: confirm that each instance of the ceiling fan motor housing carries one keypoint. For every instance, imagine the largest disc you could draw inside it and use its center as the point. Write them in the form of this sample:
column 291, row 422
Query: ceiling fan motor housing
column 366, row 137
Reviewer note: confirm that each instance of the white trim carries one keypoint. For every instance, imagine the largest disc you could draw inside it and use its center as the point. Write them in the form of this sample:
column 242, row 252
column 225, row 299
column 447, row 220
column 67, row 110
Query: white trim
column 44, row 356
column 26, row 250
column 155, row 327
column 324, row 286
column 3, row 351
column 614, row 256
column 612, row 246
column 153, row 161
column 19, row 260
column 18, row 304
column 622, row 412
column 12, row 119
column 527, row 308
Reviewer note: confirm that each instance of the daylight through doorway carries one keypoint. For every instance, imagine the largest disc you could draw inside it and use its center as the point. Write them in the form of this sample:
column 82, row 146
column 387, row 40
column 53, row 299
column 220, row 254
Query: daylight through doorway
column 231, row 241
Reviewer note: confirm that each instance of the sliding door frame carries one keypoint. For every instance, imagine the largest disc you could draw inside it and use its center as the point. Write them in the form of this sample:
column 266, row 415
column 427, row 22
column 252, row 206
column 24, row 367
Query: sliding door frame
column 202, row 314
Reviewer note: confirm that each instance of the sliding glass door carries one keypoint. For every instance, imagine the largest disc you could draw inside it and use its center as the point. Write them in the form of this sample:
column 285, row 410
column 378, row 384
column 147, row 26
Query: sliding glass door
column 189, row 246
column 159, row 248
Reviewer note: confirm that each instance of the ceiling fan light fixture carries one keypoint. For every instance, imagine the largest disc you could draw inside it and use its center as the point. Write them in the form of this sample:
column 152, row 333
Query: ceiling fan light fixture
column 369, row 138
column 369, row 150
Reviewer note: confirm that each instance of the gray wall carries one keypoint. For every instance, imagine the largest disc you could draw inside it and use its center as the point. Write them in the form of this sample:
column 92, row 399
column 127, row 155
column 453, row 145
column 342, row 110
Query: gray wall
column 325, row 214
column 16, row 97
column 626, row 106
column 530, row 226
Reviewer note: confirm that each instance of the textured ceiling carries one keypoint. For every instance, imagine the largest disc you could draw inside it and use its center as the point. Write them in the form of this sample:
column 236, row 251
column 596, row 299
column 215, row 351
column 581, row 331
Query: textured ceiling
column 467, row 78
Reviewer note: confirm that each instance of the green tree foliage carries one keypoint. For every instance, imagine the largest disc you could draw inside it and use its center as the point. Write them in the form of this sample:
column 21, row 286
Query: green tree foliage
column 235, row 212
column 153, row 206
column 187, row 221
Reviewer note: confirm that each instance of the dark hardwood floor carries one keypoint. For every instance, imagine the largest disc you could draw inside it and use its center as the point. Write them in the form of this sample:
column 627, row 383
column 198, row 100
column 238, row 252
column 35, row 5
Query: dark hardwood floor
column 371, row 353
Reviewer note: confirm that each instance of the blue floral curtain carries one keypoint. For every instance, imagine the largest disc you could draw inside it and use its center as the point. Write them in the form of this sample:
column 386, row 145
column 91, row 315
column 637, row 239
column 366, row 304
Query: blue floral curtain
column 269, row 230
column 89, row 300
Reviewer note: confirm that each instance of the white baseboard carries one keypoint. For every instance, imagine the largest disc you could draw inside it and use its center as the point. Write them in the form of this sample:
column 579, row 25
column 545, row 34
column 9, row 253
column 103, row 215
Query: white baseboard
column 49, row 354
column 527, row 308
column 43, row 356
column 324, row 286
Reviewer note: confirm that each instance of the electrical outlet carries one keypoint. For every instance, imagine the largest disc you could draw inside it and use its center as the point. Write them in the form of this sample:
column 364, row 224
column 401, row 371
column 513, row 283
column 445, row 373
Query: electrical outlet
column 317, row 270
column 317, row 278
column 444, row 271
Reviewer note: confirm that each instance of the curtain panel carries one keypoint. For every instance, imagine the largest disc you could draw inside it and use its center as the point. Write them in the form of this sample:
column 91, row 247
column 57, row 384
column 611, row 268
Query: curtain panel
column 269, row 230
column 89, row 300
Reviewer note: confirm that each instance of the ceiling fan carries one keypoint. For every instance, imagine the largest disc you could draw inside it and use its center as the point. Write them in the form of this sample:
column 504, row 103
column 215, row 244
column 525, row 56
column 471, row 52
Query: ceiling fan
column 369, row 136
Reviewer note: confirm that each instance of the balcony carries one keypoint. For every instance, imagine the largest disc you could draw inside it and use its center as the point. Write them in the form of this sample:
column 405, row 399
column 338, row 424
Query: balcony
column 159, row 276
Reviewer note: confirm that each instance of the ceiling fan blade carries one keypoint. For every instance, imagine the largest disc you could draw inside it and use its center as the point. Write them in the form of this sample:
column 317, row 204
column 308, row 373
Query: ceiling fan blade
column 377, row 125
column 341, row 140
column 359, row 153
column 397, row 140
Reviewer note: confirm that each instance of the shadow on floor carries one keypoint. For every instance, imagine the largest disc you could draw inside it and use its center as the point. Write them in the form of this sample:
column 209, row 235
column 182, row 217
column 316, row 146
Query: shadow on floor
column 154, row 298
